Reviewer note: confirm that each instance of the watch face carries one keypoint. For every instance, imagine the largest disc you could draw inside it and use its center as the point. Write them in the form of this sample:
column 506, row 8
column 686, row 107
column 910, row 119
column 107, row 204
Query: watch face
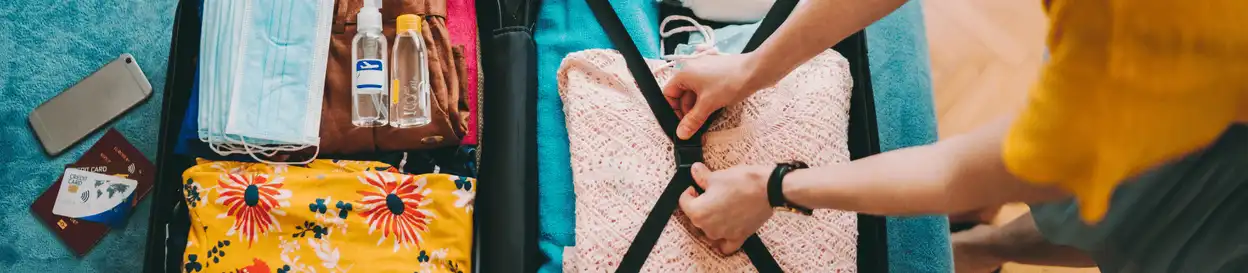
column 794, row 164
column 793, row 210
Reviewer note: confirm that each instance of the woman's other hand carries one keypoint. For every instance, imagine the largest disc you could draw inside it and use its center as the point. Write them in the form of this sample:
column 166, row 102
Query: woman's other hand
column 708, row 83
column 973, row 250
column 733, row 207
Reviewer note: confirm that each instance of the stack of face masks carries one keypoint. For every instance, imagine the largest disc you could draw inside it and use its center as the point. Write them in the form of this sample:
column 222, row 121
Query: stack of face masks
column 262, row 75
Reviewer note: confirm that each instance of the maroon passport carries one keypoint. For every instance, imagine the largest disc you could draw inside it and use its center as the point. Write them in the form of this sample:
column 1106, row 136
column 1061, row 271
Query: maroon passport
column 112, row 155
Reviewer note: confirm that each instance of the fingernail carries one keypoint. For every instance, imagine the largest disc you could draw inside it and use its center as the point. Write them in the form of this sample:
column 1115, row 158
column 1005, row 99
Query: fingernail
column 682, row 132
column 699, row 167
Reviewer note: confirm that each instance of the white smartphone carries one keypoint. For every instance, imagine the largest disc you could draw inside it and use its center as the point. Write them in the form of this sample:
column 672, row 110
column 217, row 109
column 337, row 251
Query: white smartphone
column 90, row 104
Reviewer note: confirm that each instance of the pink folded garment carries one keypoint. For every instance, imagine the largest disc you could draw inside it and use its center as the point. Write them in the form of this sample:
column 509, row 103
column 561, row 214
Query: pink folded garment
column 461, row 21
column 622, row 160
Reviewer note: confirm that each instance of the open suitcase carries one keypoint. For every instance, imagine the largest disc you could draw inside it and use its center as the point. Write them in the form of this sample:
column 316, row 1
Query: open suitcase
column 506, row 207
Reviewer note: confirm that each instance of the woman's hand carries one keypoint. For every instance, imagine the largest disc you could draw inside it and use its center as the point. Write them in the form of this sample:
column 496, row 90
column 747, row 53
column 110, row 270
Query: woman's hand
column 733, row 207
column 973, row 250
column 708, row 83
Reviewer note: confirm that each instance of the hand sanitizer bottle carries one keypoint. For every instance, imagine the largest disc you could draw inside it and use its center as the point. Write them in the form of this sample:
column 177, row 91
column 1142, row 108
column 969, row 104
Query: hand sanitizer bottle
column 410, row 75
column 369, row 107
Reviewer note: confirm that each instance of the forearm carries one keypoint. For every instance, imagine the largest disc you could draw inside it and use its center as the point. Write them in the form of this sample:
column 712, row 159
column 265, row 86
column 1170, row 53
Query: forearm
column 954, row 175
column 814, row 26
column 1020, row 241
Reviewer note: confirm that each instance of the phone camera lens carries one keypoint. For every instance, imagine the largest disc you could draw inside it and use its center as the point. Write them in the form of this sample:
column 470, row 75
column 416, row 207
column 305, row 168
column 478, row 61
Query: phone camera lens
column 128, row 60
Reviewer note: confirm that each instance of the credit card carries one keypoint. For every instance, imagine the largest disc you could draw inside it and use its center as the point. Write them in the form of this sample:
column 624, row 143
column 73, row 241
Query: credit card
column 95, row 197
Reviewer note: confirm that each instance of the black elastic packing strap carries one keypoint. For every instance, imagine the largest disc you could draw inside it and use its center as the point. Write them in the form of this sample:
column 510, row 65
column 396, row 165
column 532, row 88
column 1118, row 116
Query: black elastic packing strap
column 687, row 151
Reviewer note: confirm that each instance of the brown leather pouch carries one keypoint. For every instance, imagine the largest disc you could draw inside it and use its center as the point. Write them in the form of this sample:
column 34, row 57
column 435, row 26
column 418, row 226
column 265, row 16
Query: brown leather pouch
column 339, row 136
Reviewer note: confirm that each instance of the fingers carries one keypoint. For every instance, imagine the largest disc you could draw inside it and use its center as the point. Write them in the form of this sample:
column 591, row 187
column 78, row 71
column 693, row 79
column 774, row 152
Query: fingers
column 673, row 91
column 694, row 119
column 689, row 204
column 686, row 102
column 729, row 246
column 687, row 199
column 700, row 174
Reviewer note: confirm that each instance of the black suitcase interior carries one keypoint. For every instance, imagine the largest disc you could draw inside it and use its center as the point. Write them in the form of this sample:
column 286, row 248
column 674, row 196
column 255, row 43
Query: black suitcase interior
column 506, row 208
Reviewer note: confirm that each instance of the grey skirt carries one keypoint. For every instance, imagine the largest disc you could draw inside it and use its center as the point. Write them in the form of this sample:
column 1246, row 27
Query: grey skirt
column 1190, row 215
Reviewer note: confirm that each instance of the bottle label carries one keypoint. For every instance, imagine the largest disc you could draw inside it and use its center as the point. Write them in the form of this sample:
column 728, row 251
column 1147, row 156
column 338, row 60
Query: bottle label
column 394, row 92
column 370, row 76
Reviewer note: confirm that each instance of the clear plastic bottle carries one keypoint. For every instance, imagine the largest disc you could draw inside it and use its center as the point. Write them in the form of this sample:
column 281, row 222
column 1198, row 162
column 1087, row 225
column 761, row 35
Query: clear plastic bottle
column 369, row 107
column 409, row 75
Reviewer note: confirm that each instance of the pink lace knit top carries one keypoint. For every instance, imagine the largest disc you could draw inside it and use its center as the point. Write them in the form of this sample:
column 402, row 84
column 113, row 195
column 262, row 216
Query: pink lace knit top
column 622, row 160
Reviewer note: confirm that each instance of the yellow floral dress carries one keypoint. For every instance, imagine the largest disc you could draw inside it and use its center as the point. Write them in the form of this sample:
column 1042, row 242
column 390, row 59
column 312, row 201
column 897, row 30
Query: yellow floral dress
column 327, row 216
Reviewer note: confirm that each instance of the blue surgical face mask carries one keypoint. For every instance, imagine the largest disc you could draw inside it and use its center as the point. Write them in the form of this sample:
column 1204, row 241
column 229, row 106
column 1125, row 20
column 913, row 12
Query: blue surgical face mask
column 217, row 60
column 728, row 39
column 264, row 63
column 726, row 11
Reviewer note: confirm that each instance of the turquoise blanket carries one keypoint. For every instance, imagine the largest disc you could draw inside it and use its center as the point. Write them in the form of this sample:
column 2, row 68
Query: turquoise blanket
column 902, row 81
column 47, row 47
column 900, row 75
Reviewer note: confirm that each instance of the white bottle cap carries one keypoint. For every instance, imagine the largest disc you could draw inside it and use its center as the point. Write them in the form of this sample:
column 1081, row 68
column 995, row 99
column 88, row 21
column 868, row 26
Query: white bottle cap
column 369, row 18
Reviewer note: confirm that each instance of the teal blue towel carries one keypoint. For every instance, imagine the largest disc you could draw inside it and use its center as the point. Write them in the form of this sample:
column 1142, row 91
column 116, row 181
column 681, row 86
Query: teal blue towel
column 564, row 27
column 902, row 81
column 47, row 47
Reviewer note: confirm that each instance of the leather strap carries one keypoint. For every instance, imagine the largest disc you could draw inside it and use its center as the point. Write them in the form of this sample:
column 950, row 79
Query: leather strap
column 775, row 17
column 775, row 188
column 687, row 151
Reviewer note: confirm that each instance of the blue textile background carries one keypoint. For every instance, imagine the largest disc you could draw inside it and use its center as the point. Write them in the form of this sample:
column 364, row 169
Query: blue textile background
column 902, row 83
column 48, row 46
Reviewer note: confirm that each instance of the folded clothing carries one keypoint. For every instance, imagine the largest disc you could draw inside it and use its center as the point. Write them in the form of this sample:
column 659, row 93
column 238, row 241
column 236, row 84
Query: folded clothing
column 461, row 21
column 328, row 215
column 564, row 27
column 622, row 162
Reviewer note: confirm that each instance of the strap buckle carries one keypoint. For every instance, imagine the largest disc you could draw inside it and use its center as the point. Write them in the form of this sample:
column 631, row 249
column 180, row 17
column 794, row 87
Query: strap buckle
column 687, row 154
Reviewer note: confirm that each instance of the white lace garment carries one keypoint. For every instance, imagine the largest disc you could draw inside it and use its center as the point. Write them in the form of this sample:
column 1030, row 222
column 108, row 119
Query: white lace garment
column 622, row 160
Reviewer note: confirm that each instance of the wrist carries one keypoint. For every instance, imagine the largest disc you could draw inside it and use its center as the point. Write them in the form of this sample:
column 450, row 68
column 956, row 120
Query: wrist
column 776, row 184
column 759, row 175
column 795, row 188
column 759, row 72
column 979, row 242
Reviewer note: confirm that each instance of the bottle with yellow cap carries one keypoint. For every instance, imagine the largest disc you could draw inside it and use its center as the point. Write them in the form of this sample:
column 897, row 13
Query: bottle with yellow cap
column 409, row 78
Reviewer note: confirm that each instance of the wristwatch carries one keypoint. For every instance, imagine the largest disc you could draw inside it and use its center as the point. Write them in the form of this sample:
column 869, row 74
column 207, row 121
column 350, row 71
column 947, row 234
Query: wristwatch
column 775, row 186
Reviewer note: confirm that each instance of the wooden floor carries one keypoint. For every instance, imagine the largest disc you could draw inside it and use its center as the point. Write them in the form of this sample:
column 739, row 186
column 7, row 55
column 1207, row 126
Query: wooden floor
column 985, row 54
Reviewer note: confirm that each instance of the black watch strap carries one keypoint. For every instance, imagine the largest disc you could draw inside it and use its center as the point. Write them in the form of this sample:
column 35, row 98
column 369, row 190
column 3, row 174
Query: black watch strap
column 775, row 188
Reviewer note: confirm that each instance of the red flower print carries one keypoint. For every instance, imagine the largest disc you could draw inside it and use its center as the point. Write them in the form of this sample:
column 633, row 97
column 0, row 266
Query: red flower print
column 253, row 200
column 393, row 206
column 257, row 266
